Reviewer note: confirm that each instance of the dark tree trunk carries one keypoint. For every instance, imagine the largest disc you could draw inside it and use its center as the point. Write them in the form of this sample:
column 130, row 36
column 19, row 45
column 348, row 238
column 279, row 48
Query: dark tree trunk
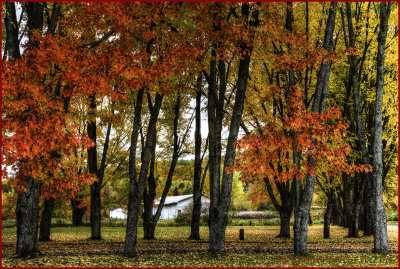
column 148, row 199
column 27, row 209
column 302, row 216
column 95, row 201
column 77, row 212
column 177, row 148
column 367, row 224
column 131, row 225
column 302, row 210
column 285, row 224
column 195, row 223
column 136, row 189
column 95, row 211
column 45, row 223
column 354, row 80
column 327, row 217
column 95, row 188
column 27, row 212
column 381, row 244
column 358, row 190
column 221, row 192
column 287, row 204
column 12, row 45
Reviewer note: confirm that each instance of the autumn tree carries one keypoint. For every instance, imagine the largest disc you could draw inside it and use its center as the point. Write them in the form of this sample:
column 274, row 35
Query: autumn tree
column 167, row 62
column 38, row 141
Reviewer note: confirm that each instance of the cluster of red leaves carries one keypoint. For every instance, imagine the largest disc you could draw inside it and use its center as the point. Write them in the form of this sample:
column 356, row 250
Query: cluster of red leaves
column 37, row 138
column 40, row 141
column 317, row 136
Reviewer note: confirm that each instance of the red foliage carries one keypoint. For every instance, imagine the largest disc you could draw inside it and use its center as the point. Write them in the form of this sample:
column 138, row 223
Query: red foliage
column 321, row 135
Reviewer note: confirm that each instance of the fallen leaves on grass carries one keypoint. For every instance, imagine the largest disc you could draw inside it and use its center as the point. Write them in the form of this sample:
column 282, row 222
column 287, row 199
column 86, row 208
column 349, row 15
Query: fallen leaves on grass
column 71, row 247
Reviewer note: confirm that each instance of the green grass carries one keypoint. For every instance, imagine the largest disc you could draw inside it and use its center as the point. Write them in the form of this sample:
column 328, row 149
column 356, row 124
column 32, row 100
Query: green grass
column 70, row 247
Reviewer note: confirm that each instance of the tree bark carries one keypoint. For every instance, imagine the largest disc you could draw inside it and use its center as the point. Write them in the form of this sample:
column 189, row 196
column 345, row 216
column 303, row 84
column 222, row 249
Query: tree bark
column 27, row 212
column 95, row 188
column 137, row 187
column 77, row 212
column 365, row 179
column 177, row 149
column 131, row 232
column 285, row 224
column 285, row 209
column 195, row 223
column 367, row 204
column 302, row 210
column 45, row 223
column 11, row 50
column 327, row 216
column 221, row 192
column 148, row 199
column 381, row 244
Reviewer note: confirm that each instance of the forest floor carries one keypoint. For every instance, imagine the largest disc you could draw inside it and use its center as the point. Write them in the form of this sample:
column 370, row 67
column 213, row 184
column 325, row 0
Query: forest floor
column 71, row 247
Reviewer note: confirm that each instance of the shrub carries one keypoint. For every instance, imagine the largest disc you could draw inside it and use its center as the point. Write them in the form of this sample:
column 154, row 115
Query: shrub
column 255, row 215
column 184, row 218
column 393, row 216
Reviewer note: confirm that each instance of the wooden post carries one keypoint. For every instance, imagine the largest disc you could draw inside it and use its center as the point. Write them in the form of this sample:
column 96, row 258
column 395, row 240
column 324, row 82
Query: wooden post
column 241, row 234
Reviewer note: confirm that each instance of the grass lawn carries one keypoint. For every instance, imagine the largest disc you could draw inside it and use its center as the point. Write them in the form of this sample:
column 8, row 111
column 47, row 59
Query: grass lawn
column 71, row 247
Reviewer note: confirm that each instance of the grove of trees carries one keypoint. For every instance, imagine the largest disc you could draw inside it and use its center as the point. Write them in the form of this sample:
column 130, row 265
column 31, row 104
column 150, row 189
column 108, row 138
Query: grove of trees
column 114, row 98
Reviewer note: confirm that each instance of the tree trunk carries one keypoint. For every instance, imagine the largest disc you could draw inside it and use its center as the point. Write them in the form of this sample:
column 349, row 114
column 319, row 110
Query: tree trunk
column 149, row 230
column 77, row 212
column 220, row 191
column 302, row 210
column 195, row 223
column 327, row 217
column 27, row 212
column 287, row 204
column 354, row 80
column 12, row 45
column 95, row 211
column 285, row 224
column 381, row 244
column 178, row 145
column 45, row 223
column 148, row 200
column 302, row 216
column 136, row 188
column 218, row 222
column 95, row 200
column 358, row 190
column 367, row 210
column 27, row 209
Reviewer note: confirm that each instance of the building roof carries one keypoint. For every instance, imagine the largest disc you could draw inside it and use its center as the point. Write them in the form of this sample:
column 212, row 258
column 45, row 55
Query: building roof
column 172, row 200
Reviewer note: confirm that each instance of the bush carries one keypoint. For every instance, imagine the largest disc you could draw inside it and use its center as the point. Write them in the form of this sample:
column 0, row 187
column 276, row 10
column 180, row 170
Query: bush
column 253, row 222
column 184, row 218
column 255, row 215
column 393, row 216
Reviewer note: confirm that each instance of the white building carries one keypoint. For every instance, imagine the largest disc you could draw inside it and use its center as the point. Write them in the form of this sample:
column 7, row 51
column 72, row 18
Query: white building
column 175, row 204
column 172, row 206
column 118, row 213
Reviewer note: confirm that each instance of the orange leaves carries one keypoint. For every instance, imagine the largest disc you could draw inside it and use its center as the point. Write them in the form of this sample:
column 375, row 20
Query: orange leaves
column 319, row 139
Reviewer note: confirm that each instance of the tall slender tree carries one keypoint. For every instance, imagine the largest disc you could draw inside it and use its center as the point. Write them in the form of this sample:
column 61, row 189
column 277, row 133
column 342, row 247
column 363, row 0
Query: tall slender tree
column 220, row 189
column 302, row 209
column 381, row 244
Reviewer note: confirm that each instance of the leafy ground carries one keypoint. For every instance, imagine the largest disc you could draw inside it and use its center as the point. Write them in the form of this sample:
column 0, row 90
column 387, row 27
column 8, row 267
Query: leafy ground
column 71, row 247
